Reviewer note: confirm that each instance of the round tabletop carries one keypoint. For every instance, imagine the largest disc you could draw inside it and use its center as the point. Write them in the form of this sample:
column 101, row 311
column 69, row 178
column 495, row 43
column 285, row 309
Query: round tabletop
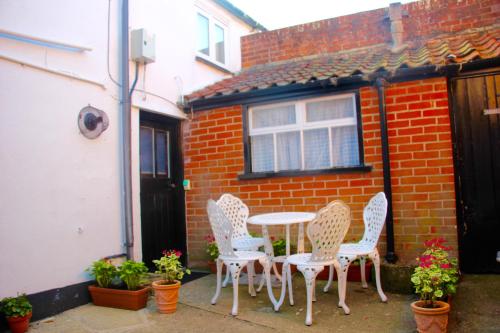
column 282, row 218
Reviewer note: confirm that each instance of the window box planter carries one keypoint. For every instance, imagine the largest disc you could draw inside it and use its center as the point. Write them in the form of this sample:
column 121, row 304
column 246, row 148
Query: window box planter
column 119, row 298
column 354, row 273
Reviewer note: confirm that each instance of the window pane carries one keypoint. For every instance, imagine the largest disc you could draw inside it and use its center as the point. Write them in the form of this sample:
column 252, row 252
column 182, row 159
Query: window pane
column 327, row 110
column 219, row 44
column 262, row 153
column 316, row 149
column 345, row 146
column 146, row 150
column 162, row 154
column 288, row 149
column 277, row 116
column 203, row 35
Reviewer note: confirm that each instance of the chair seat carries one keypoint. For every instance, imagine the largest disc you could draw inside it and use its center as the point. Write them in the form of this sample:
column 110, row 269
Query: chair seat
column 305, row 259
column 354, row 249
column 248, row 243
column 245, row 255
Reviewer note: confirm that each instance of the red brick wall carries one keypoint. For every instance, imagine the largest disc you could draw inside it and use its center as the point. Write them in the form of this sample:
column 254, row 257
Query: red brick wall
column 421, row 161
column 426, row 19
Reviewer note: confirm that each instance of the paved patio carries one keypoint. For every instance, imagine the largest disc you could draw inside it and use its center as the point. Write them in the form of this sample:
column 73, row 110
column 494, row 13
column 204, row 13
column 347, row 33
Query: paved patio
column 475, row 309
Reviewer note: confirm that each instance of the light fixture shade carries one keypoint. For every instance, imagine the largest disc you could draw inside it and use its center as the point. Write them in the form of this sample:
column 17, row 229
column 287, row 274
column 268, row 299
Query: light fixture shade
column 92, row 122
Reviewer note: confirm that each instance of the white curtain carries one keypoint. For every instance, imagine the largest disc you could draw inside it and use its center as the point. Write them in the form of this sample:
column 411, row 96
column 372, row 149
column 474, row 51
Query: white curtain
column 288, row 149
column 316, row 149
column 277, row 116
column 345, row 146
column 262, row 153
column 328, row 110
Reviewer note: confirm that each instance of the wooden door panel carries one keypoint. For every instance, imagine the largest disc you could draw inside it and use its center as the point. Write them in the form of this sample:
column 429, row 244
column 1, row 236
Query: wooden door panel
column 478, row 168
column 162, row 200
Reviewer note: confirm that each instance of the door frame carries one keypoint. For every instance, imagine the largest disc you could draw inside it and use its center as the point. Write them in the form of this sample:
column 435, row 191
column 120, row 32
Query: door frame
column 458, row 172
column 177, row 163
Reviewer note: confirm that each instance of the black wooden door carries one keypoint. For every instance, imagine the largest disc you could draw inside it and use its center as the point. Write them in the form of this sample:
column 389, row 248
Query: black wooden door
column 477, row 153
column 162, row 194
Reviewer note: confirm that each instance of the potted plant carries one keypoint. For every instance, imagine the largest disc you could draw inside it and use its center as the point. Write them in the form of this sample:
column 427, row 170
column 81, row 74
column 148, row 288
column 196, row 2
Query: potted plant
column 18, row 311
column 167, row 289
column 434, row 279
column 110, row 294
column 213, row 252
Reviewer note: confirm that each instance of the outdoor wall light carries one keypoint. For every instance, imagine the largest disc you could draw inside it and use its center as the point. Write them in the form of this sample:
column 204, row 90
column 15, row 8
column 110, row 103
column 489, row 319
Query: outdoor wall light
column 92, row 122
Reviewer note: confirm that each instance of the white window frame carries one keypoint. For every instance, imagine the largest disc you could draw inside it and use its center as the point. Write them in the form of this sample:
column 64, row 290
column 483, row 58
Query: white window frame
column 211, row 57
column 302, row 125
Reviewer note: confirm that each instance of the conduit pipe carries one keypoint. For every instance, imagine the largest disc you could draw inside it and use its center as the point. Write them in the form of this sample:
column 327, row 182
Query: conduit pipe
column 125, row 99
column 390, row 256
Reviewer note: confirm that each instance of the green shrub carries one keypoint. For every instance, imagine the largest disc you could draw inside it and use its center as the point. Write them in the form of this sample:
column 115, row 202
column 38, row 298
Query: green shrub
column 132, row 273
column 18, row 306
column 104, row 272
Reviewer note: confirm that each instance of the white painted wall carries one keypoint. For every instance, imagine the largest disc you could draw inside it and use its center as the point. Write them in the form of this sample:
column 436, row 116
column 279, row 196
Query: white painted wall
column 54, row 181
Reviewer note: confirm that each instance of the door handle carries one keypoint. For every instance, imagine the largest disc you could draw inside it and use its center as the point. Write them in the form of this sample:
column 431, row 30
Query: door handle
column 172, row 185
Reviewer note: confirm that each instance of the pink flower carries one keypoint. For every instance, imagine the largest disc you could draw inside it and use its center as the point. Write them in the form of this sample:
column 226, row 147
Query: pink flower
column 445, row 266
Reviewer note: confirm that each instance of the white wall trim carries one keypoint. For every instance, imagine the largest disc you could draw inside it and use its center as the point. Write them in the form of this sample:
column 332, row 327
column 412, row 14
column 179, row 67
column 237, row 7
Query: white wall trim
column 53, row 71
column 78, row 48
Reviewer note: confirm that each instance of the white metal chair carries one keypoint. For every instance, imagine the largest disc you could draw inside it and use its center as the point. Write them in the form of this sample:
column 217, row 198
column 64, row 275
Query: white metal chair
column 374, row 218
column 237, row 213
column 234, row 260
column 325, row 233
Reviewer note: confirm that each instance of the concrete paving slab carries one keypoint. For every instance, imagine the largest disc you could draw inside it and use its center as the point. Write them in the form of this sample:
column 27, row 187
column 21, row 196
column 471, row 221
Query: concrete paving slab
column 475, row 309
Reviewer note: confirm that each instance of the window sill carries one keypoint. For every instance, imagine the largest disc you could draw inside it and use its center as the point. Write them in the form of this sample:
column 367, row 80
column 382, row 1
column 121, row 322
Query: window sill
column 294, row 173
column 213, row 65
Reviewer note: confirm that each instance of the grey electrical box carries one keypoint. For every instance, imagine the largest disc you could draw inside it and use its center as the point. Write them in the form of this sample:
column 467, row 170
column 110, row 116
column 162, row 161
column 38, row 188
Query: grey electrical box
column 142, row 46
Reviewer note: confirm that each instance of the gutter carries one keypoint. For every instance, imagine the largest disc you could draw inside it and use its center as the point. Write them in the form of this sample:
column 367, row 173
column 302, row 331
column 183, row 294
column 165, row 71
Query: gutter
column 125, row 108
column 390, row 256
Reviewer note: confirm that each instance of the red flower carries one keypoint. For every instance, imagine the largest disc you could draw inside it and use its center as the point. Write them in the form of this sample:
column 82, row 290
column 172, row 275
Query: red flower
column 445, row 266
column 168, row 253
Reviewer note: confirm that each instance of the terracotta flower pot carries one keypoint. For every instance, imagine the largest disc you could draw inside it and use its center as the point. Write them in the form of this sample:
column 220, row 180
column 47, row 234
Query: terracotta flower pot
column 213, row 267
column 353, row 274
column 19, row 324
column 166, row 296
column 119, row 298
column 431, row 320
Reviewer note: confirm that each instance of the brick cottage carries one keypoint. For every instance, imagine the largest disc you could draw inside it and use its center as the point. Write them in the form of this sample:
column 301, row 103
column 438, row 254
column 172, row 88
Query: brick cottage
column 401, row 99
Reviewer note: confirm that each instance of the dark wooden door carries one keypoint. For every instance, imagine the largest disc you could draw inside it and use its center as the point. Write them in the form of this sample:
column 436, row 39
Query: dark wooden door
column 477, row 130
column 162, row 194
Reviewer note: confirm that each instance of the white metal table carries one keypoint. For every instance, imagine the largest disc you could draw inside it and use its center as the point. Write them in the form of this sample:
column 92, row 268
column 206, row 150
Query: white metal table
column 281, row 219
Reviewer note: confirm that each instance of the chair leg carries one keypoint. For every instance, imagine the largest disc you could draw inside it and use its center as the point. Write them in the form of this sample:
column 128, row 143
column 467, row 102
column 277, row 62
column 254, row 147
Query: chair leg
column 250, row 275
column 266, row 264
column 374, row 256
column 219, row 281
column 235, row 275
column 342, row 281
column 362, row 262
column 330, row 279
column 310, row 274
column 226, row 280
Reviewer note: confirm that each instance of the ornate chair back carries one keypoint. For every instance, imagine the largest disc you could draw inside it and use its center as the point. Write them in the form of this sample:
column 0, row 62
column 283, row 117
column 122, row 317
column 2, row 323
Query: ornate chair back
column 374, row 217
column 237, row 213
column 327, row 231
column 221, row 228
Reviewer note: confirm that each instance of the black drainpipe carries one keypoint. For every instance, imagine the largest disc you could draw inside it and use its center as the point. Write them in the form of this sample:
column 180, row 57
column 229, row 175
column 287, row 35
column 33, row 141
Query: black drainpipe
column 126, row 186
column 391, row 256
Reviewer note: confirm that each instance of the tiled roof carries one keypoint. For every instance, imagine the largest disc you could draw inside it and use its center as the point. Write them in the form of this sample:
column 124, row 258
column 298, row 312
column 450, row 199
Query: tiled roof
column 456, row 49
